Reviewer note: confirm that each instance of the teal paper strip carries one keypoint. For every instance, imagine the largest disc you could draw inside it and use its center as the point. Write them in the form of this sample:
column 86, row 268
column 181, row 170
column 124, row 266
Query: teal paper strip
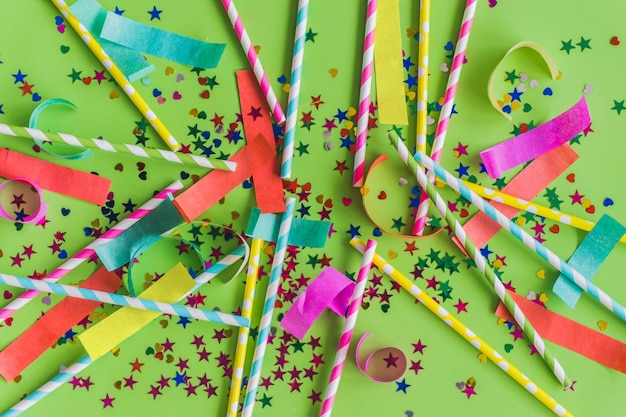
column 588, row 257
column 161, row 43
column 303, row 232
column 92, row 15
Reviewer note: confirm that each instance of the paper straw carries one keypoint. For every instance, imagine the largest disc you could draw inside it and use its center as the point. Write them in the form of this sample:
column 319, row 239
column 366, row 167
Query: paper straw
column 89, row 251
column 254, row 61
column 118, row 75
column 508, row 225
column 422, row 75
column 348, row 328
column 294, row 88
column 252, row 275
column 268, row 308
column 103, row 145
column 481, row 263
column 363, row 114
column 465, row 332
column 448, row 105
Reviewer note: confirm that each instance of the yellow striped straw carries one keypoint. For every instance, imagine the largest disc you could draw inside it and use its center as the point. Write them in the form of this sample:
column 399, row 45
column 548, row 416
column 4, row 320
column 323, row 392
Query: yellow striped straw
column 252, row 274
column 465, row 332
column 534, row 208
column 117, row 75
column 422, row 75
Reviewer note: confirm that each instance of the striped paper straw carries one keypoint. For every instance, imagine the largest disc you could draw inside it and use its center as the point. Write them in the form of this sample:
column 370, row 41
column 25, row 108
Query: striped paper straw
column 348, row 328
column 465, row 332
column 448, row 105
column 252, row 275
column 422, row 75
column 103, row 145
column 363, row 114
column 481, row 263
column 508, row 225
column 268, row 308
column 254, row 61
column 294, row 89
column 117, row 75
column 89, row 251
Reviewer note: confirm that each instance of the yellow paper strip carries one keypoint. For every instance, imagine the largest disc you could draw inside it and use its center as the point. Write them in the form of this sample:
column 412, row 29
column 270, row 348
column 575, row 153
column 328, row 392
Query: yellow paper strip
column 388, row 65
column 127, row 321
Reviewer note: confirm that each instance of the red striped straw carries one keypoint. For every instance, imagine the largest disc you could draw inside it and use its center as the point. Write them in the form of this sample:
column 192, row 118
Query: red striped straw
column 446, row 110
column 89, row 251
column 348, row 328
column 364, row 94
column 254, row 61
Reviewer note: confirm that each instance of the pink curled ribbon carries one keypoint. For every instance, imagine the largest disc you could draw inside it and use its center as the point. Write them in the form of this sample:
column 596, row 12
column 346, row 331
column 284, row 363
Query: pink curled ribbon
column 39, row 207
column 386, row 364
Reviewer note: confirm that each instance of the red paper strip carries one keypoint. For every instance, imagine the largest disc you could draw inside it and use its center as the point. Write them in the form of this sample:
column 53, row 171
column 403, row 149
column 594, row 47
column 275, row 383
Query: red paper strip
column 53, row 177
column 48, row 329
column 570, row 334
column 268, row 186
column 216, row 184
column 526, row 185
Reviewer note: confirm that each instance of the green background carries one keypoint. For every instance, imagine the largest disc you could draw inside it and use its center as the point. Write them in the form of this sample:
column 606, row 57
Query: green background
column 32, row 43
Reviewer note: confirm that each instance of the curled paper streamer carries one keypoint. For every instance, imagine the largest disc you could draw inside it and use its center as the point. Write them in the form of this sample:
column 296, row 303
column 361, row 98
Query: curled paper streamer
column 304, row 232
column 12, row 194
column 537, row 141
column 386, row 364
column 330, row 289
column 554, row 72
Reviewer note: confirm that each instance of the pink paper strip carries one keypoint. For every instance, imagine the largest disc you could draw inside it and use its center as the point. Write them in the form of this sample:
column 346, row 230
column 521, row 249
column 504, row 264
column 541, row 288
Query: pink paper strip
column 533, row 143
column 385, row 364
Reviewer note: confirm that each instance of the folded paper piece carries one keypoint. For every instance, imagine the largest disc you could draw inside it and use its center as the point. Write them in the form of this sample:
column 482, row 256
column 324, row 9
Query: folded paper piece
column 525, row 185
column 134, row 35
column 388, row 65
column 54, row 324
column 330, row 289
column 49, row 176
column 26, row 196
column 304, row 232
column 216, row 184
column 571, row 334
column 386, row 364
column 92, row 15
column 126, row 321
column 535, row 142
column 255, row 115
column 588, row 257
column 141, row 235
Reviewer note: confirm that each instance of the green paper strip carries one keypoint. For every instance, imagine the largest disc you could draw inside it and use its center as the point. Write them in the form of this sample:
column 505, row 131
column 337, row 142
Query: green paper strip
column 139, row 236
column 588, row 257
column 305, row 233
column 161, row 43
column 92, row 15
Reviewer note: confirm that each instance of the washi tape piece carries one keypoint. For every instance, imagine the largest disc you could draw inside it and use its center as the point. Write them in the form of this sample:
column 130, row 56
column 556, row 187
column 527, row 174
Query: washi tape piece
column 140, row 236
column 255, row 114
column 525, row 185
column 127, row 321
column 571, row 334
column 535, row 142
column 161, row 43
column 386, row 364
column 92, row 15
column 47, row 330
column 216, row 184
column 331, row 289
column 52, row 177
column 588, row 257
column 388, row 65
column 303, row 232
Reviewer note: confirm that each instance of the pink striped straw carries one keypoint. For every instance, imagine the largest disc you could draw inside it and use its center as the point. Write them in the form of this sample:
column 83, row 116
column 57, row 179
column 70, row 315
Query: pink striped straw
column 254, row 61
column 89, row 251
column 446, row 110
column 364, row 94
column 348, row 329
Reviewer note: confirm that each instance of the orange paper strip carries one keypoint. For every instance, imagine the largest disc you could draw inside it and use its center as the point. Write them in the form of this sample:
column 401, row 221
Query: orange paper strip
column 48, row 329
column 53, row 177
column 268, row 186
column 570, row 334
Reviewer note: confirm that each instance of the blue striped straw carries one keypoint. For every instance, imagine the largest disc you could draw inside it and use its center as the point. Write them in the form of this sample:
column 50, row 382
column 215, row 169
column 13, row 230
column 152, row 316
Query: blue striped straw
column 508, row 225
column 268, row 308
column 294, row 89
